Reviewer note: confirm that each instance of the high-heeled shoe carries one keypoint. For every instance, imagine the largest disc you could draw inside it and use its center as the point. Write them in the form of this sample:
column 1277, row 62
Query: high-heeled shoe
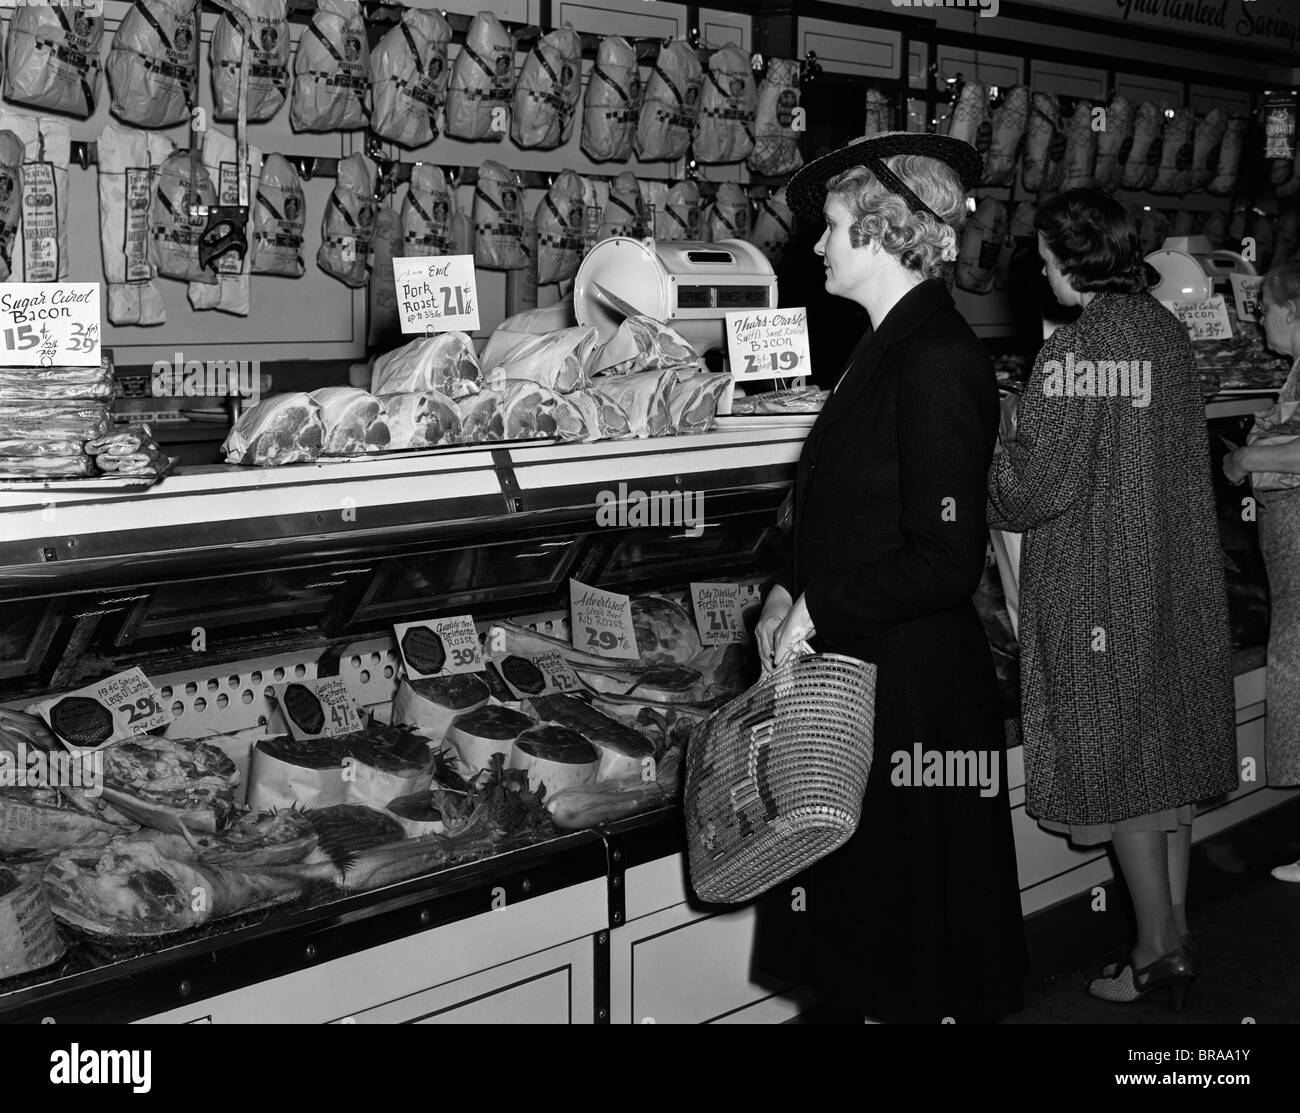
column 1175, row 971
column 1111, row 967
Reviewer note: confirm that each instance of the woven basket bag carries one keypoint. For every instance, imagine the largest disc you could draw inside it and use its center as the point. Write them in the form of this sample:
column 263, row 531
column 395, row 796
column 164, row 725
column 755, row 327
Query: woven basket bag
column 775, row 778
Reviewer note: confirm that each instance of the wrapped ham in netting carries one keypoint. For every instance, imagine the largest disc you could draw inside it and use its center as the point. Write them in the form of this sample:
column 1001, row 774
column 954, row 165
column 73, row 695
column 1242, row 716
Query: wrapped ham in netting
column 880, row 116
column 230, row 294
column 1224, row 181
column 1114, row 142
column 426, row 213
column 1044, row 146
column 560, row 360
column 776, row 143
column 279, row 218
column 151, row 66
column 421, row 419
column 644, row 397
column 40, row 250
column 1008, row 123
column 1174, row 174
column 1206, row 144
column 624, row 213
column 547, row 92
column 444, row 363
column 644, row 344
column 678, row 218
column 1144, row 155
column 671, row 104
column 354, row 421
column 969, row 121
column 724, row 127
column 331, row 70
column 559, row 221
column 1080, row 148
column 693, row 401
column 613, row 99
column 182, row 183
column 773, row 226
column 408, row 78
column 348, row 226
column 268, row 68
column 727, row 217
column 981, row 244
column 482, row 77
column 52, row 56
column 128, row 162
column 498, row 219
column 604, row 420
column 286, row 429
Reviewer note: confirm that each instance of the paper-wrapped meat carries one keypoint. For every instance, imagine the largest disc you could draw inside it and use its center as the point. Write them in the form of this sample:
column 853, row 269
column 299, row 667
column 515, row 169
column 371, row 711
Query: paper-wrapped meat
column 29, row 939
column 182, row 182
column 1206, row 144
column 1080, row 148
column 981, row 244
column 671, row 104
column 1291, row 186
column 546, row 94
column 477, row 735
column 384, row 764
column 482, row 77
column 151, row 64
column 408, row 78
column 426, row 213
column 1144, row 155
column 285, row 773
column 776, row 142
column 498, row 219
column 969, row 121
column 880, row 116
column 1113, row 143
column 279, row 218
column 644, row 344
column 286, row 429
column 613, row 99
column 429, row 706
column 559, row 220
column 1174, row 174
column 678, row 218
column 52, row 57
column 624, row 213
column 11, row 199
column 445, row 362
column 694, row 400
column 603, row 419
column 727, row 217
column 530, row 411
column 1044, row 145
column 555, row 758
column 354, row 421
column 1008, row 123
column 622, row 750
column 421, row 419
column 348, row 226
column 559, row 360
column 644, row 398
column 331, row 70
column 40, row 248
column 1224, row 181
column 268, row 68
column 128, row 161
column 724, row 127
column 773, row 226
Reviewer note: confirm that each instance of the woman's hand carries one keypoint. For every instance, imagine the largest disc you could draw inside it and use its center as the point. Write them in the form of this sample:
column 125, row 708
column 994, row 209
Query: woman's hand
column 1234, row 466
column 775, row 607
column 1007, row 422
column 793, row 633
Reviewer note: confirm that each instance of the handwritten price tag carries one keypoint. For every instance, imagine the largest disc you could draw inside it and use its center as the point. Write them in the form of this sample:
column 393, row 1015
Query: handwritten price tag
column 436, row 293
column 768, row 344
column 1204, row 320
column 439, row 646
column 538, row 674
column 718, row 614
column 1245, row 291
column 45, row 324
column 111, row 710
column 320, row 708
column 601, row 622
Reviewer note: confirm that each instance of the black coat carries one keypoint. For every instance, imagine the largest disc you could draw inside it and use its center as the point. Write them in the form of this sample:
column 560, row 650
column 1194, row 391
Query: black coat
column 918, row 916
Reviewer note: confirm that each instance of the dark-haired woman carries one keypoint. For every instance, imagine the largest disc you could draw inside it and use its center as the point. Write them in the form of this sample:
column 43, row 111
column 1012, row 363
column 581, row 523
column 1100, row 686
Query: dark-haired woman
column 1126, row 699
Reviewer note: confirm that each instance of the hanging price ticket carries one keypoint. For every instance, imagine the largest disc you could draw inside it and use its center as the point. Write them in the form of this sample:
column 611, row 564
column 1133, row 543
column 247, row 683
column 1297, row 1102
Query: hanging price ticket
column 439, row 646
column 319, row 708
column 768, row 344
column 49, row 324
column 717, row 613
column 110, row 710
column 436, row 293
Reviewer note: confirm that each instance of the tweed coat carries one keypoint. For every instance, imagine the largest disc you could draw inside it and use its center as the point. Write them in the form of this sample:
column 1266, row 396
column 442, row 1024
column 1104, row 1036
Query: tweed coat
column 1126, row 683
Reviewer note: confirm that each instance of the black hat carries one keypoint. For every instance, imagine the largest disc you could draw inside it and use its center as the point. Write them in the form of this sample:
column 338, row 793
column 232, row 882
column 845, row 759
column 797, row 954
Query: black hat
column 806, row 191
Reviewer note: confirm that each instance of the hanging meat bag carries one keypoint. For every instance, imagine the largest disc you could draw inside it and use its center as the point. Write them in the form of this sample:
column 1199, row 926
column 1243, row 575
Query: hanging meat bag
column 1080, row 148
column 279, row 219
column 981, row 244
column 1007, row 132
column 52, row 57
column 624, row 213
column 268, row 68
column 349, row 224
column 182, row 184
column 331, row 70
column 1114, row 142
column 1144, row 154
column 559, row 230
column 478, row 97
column 1206, row 144
column 151, row 66
column 128, row 162
column 727, row 218
column 613, row 98
column 426, row 213
column 1224, row 181
column 1174, row 174
column 498, row 219
column 547, row 92
column 1044, row 146
column 724, row 128
column 773, row 226
column 776, row 143
column 671, row 105
column 231, row 292
column 880, row 117
column 678, row 218
column 40, row 250
column 408, row 78
column 11, row 198
column 969, row 121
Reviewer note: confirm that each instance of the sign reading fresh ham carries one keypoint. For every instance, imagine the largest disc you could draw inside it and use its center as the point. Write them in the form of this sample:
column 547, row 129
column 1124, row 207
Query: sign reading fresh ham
column 601, row 621
column 439, row 646
column 437, row 293
column 717, row 613
column 768, row 343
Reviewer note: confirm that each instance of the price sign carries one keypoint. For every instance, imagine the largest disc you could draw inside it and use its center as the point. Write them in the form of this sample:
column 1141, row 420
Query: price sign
column 124, row 705
column 1204, row 320
column 768, row 344
column 717, row 613
column 49, row 324
column 439, row 646
column 601, row 622
column 320, row 708
column 436, row 293
column 1245, row 291
column 538, row 674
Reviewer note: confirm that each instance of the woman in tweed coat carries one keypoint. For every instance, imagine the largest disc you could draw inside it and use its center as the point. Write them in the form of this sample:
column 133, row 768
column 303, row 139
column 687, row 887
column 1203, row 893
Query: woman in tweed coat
column 1127, row 699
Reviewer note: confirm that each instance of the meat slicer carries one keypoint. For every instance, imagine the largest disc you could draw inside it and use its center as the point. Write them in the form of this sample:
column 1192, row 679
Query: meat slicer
column 1190, row 268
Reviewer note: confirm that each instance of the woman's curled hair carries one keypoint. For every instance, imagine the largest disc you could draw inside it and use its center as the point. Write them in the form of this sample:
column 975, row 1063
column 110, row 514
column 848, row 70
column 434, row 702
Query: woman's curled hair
column 1281, row 286
column 1094, row 240
column 917, row 240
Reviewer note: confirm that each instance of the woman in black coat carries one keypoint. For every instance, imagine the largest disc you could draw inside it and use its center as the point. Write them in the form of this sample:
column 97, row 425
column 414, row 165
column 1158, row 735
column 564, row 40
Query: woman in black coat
column 917, row 917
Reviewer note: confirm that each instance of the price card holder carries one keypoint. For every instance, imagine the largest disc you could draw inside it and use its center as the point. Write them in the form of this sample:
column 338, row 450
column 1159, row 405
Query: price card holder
column 1204, row 320
column 439, row 646
column 49, row 324
column 1245, row 292
column 718, row 614
column 768, row 344
column 436, row 293
column 601, row 622
column 123, row 705
column 540, row 674
column 320, row 708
